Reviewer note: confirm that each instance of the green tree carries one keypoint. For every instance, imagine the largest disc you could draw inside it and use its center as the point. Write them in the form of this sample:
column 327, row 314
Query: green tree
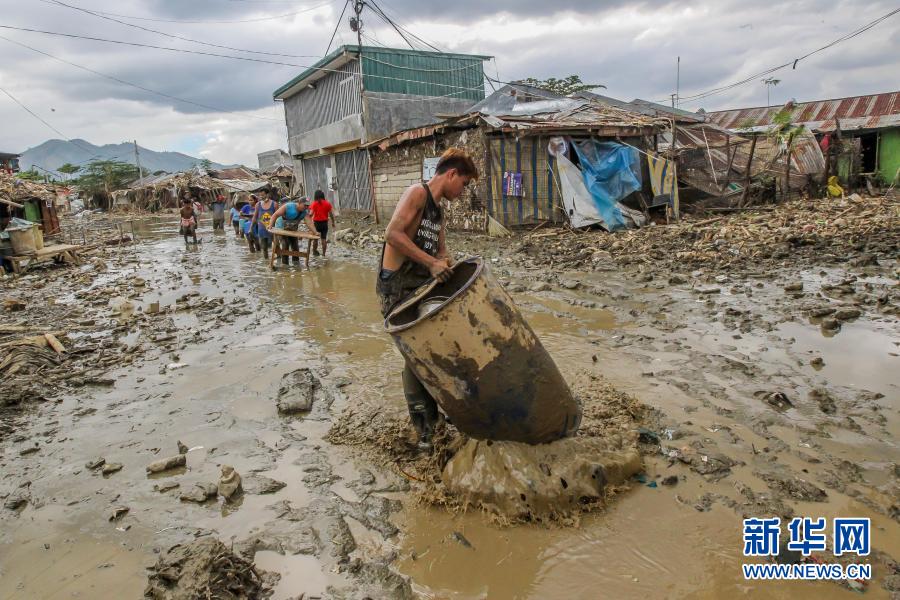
column 206, row 164
column 106, row 176
column 68, row 169
column 563, row 87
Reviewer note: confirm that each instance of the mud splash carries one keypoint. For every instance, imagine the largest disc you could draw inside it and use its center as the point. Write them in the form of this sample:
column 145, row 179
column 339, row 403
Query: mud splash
column 508, row 479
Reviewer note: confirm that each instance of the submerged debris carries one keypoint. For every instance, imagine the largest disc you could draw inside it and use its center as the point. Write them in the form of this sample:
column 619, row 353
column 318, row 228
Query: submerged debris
column 204, row 569
column 296, row 392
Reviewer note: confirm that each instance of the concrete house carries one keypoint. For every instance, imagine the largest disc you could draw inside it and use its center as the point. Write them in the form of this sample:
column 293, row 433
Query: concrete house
column 359, row 94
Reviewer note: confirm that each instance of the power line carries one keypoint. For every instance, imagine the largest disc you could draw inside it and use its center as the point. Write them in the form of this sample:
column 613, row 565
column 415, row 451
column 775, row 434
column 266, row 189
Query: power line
column 724, row 88
column 396, row 24
column 373, row 40
column 172, row 35
column 134, row 85
column 204, row 53
column 384, row 18
column 207, row 22
column 336, row 25
column 39, row 118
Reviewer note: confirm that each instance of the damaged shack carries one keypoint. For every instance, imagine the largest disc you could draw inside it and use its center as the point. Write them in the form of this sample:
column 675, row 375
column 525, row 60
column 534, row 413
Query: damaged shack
column 161, row 192
column 29, row 200
column 859, row 136
column 543, row 158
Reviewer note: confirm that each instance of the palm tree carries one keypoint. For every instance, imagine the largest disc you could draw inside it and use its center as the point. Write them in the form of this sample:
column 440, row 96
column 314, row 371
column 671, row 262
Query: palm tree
column 769, row 82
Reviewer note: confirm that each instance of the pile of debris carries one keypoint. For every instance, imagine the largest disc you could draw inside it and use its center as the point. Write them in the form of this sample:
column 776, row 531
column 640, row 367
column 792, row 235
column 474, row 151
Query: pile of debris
column 859, row 231
column 15, row 190
column 369, row 237
column 206, row 568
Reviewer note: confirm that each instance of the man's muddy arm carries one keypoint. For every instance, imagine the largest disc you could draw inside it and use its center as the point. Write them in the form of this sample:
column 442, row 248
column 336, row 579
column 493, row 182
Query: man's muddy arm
column 442, row 247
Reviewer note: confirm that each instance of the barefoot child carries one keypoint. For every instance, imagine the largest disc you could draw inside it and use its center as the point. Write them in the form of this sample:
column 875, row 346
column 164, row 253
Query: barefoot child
column 247, row 222
column 188, row 220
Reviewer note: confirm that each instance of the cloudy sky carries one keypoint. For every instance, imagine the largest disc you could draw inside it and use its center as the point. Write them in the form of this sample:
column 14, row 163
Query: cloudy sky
column 631, row 47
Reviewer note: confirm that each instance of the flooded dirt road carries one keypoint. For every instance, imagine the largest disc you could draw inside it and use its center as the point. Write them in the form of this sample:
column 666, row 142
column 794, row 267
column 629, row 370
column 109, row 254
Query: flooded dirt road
column 337, row 521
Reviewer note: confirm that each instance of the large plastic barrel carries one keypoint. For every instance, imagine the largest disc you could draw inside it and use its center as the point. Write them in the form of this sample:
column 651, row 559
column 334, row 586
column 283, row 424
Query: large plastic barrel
column 482, row 362
column 22, row 240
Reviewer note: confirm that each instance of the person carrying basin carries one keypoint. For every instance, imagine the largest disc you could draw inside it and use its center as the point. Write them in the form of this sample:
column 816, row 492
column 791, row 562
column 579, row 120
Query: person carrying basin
column 415, row 251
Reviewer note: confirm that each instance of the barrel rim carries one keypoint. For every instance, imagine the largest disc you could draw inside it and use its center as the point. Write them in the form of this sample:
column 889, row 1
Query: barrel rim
column 479, row 266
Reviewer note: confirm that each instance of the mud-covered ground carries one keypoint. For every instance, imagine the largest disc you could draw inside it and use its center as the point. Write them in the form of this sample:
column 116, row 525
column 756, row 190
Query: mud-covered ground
column 750, row 359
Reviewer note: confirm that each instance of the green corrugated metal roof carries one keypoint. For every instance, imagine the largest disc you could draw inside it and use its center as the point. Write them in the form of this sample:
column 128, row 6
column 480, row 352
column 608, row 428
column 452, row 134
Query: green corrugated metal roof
column 418, row 63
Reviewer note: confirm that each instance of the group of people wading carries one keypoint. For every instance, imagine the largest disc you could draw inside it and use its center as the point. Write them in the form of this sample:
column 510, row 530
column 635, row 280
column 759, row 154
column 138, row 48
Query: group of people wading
column 252, row 220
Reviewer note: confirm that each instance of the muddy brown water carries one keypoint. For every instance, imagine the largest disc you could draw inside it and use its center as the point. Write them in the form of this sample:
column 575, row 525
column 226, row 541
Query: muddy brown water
column 651, row 542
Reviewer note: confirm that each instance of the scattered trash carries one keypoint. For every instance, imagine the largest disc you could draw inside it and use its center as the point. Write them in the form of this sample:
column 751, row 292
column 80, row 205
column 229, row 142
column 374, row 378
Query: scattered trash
column 205, row 568
column 118, row 513
column 296, row 391
column 200, row 492
column 110, row 468
column 777, row 400
column 229, row 482
column 459, row 537
column 164, row 464
column 95, row 463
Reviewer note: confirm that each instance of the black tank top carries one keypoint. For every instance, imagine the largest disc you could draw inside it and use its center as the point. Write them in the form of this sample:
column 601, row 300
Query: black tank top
column 428, row 234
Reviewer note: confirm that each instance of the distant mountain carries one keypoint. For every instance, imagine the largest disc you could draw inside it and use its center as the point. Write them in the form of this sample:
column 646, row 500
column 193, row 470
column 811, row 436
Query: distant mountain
column 53, row 154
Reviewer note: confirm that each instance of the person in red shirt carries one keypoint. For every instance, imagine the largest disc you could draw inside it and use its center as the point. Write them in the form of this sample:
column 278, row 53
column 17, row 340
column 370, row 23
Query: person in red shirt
column 321, row 210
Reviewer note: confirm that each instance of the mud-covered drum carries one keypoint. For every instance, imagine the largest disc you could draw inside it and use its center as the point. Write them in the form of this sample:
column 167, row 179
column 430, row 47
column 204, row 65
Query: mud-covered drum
column 469, row 345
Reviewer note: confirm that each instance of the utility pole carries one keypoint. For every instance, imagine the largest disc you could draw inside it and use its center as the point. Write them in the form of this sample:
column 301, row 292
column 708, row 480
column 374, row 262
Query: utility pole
column 672, row 96
column 137, row 161
column 677, row 81
column 356, row 25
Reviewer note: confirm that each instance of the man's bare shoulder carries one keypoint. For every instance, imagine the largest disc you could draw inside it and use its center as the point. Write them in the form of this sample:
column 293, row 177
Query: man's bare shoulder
column 414, row 194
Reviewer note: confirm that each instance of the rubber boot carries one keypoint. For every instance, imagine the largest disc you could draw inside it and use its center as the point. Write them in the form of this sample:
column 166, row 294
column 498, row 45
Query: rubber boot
column 422, row 408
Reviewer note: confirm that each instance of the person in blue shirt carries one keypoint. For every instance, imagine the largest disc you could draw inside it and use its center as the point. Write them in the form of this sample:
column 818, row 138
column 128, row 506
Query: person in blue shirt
column 289, row 215
column 247, row 223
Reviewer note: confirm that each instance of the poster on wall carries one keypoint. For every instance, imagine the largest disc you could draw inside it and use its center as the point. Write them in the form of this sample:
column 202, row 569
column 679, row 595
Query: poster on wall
column 512, row 184
column 429, row 165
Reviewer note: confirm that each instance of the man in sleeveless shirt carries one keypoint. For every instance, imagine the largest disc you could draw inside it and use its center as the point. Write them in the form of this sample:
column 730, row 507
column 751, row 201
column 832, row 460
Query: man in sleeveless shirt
column 414, row 252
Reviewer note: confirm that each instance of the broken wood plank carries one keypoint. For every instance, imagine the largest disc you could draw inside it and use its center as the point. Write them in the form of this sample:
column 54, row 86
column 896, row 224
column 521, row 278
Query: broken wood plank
column 55, row 343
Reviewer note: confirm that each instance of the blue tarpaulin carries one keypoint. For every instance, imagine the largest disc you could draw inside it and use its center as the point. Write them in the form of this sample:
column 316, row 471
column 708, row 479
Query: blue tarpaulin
column 611, row 171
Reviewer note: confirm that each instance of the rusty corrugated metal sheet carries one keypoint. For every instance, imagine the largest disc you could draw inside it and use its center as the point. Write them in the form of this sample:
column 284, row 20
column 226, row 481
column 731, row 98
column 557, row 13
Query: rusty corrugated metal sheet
column 858, row 112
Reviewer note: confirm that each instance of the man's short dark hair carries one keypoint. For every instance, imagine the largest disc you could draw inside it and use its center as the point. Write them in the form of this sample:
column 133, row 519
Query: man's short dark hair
column 319, row 195
column 459, row 159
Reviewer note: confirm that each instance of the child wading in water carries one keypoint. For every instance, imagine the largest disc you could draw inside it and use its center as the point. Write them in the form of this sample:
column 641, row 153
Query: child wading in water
column 188, row 220
column 247, row 222
column 235, row 216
